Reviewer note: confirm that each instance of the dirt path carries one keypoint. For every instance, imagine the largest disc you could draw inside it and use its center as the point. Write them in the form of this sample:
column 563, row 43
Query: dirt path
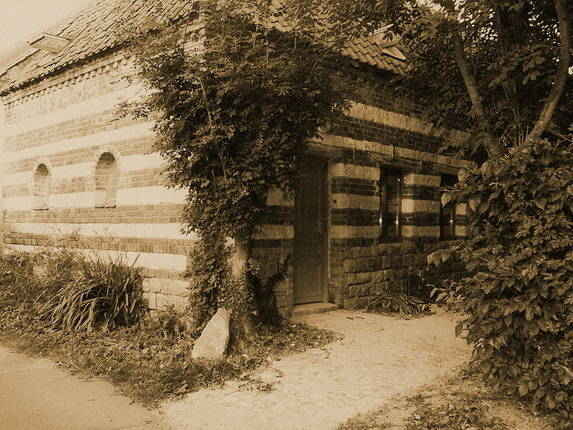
column 36, row 394
column 378, row 358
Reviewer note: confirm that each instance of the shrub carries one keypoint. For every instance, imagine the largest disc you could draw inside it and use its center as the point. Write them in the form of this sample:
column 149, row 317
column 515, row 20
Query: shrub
column 15, row 279
column 412, row 297
column 519, row 295
column 148, row 357
column 168, row 324
column 28, row 281
column 104, row 293
column 54, row 268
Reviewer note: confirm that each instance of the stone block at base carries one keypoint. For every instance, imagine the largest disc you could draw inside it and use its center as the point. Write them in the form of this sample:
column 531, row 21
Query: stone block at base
column 212, row 343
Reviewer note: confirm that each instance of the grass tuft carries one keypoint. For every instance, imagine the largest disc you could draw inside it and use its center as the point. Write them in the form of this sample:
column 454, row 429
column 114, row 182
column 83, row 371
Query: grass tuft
column 104, row 292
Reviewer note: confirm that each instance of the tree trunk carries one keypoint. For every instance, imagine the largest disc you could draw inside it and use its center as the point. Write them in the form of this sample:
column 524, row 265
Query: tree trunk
column 240, row 257
column 560, row 80
column 238, row 262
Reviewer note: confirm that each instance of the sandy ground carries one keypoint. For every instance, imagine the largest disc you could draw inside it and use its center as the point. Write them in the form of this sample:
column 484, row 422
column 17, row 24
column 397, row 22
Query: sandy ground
column 379, row 358
column 36, row 394
column 379, row 361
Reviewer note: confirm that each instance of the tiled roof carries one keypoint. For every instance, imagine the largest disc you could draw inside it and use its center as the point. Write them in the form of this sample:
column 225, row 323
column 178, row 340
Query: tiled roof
column 374, row 50
column 91, row 31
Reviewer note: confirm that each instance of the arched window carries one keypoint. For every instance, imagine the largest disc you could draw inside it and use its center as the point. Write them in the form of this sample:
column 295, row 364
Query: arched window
column 41, row 190
column 106, row 177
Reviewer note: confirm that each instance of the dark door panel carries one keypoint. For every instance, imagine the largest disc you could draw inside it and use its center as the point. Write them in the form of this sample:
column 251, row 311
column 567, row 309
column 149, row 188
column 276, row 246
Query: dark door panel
column 310, row 233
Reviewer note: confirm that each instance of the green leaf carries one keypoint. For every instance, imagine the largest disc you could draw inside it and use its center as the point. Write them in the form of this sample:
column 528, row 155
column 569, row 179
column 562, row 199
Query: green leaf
column 529, row 313
column 433, row 258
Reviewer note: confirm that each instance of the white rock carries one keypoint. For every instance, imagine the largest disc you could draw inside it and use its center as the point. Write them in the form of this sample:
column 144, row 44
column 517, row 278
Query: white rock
column 212, row 343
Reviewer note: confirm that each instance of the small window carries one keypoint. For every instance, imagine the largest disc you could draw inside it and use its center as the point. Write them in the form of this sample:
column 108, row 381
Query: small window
column 41, row 191
column 106, row 178
column 390, row 204
column 448, row 211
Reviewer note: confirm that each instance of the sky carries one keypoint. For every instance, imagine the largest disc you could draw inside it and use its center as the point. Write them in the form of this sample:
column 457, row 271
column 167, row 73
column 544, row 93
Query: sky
column 20, row 19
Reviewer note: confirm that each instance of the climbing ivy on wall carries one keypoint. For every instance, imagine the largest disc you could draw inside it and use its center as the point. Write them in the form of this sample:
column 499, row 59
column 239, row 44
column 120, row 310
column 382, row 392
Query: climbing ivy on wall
column 235, row 104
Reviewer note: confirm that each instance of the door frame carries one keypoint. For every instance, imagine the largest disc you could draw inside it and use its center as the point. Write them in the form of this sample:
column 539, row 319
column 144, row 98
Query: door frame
column 326, row 197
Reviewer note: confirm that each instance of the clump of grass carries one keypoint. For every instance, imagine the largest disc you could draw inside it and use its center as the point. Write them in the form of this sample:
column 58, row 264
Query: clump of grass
column 151, row 364
column 15, row 276
column 460, row 413
column 411, row 299
column 22, row 293
column 460, row 402
column 104, row 292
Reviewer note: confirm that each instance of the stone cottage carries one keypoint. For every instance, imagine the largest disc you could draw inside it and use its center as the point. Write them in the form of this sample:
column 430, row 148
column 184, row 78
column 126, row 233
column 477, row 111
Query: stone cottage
column 365, row 216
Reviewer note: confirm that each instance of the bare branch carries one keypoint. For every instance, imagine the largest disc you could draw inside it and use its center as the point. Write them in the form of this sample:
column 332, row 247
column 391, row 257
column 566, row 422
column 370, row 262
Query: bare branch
column 560, row 75
column 491, row 145
column 469, row 79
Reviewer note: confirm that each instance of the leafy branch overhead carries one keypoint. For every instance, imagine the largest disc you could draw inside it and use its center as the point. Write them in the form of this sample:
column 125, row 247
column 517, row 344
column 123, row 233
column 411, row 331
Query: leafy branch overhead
column 237, row 103
column 503, row 65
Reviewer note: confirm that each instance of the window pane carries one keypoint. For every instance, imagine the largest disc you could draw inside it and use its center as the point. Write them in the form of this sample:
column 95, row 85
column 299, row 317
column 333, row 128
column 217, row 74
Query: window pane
column 447, row 222
column 448, row 212
column 390, row 202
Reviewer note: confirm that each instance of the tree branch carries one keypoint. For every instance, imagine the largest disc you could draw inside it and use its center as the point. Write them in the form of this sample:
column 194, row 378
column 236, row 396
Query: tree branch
column 491, row 145
column 560, row 75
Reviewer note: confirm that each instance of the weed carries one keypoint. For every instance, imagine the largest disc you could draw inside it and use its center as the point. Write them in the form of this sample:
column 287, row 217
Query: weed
column 411, row 299
column 255, row 384
column 401, row 303
column 460, row 413
column 461, row 402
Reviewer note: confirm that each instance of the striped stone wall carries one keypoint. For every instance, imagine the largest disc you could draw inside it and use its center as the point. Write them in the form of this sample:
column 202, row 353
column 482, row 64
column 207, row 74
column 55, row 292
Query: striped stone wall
column 379, row 133
column 69, row 124
column 273, row 243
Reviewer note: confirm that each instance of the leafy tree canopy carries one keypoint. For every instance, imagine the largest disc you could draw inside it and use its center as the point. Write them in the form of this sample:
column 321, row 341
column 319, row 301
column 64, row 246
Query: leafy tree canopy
column 235, row 103
column 500, row 68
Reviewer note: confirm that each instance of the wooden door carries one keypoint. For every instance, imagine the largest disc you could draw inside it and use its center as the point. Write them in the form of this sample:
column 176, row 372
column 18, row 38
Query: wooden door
column 310, row 233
